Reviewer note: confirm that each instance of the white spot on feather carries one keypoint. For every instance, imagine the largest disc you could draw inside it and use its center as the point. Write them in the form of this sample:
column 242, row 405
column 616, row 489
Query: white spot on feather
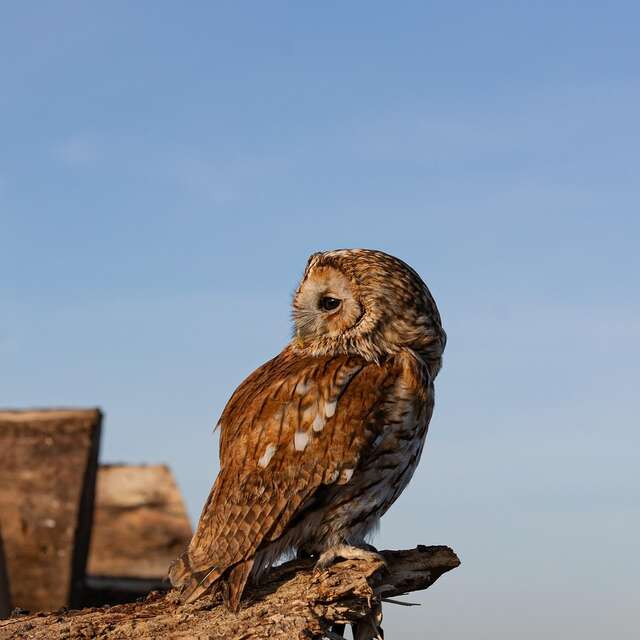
column 318, row 423
column 346, row 475
column 329, row 409
column 334, row 476
column 300, row 440
column 268, row 454
column 302, row 387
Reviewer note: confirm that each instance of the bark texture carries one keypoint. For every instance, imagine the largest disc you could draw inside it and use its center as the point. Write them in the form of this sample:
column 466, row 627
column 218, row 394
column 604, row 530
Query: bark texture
column 293, row 602
column 48, row 463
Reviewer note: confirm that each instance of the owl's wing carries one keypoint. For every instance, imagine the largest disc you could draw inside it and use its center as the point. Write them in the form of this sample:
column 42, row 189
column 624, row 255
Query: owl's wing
column 294, row 425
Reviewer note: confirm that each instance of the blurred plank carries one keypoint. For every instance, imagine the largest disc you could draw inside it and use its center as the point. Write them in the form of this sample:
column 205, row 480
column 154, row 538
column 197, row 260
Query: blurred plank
column 48, row 465
column 140, row 523
column 5, row 600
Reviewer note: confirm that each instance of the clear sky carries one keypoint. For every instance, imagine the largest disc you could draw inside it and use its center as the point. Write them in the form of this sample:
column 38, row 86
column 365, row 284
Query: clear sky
column 166, row 168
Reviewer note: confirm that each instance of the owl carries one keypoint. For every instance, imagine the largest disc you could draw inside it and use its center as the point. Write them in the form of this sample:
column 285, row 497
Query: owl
column 318, row 443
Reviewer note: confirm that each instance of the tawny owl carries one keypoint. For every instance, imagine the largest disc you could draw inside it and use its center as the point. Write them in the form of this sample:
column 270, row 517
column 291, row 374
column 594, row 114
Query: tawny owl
column 319, row 442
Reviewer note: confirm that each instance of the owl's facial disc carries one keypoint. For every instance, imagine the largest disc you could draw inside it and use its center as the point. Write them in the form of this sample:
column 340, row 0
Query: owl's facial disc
column 324, row 305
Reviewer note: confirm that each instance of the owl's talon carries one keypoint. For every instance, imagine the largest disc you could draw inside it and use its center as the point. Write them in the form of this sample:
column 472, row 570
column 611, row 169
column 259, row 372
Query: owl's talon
column 346, row 552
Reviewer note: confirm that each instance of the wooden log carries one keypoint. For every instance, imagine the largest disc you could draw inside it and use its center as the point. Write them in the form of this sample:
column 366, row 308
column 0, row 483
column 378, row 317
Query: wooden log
column 140, row 526
column 293, row 602
column 5, row 600
column 48, row 464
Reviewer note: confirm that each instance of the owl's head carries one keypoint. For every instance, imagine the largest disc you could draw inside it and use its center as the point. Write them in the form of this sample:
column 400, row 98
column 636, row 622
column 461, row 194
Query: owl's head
column 365, row 302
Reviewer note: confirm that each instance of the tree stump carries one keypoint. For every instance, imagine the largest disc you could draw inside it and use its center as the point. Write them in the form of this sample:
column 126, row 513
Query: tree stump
column 293, row 602
column 140, row 526
column 48, row 464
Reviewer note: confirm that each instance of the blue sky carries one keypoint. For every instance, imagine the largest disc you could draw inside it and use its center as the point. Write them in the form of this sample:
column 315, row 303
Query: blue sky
column 165, row 170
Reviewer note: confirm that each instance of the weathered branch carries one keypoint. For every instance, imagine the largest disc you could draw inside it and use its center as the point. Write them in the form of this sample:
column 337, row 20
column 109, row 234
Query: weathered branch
column 293, row 602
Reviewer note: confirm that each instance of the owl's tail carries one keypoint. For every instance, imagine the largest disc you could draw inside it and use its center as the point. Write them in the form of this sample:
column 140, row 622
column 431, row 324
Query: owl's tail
column 193, row 584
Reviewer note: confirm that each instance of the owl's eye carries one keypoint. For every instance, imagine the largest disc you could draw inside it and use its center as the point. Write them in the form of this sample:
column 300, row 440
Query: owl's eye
column 329, row 304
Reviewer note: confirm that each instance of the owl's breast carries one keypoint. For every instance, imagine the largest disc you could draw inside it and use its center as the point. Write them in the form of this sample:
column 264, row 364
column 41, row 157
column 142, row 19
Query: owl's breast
column 396, row 449
column 386, row 465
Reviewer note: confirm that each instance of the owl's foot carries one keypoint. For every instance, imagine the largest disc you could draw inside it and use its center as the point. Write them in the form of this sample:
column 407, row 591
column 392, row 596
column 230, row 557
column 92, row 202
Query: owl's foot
column 347, row 552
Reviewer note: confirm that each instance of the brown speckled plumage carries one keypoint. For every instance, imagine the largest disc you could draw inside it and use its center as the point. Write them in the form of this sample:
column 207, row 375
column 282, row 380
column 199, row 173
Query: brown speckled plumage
column 318, row 443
